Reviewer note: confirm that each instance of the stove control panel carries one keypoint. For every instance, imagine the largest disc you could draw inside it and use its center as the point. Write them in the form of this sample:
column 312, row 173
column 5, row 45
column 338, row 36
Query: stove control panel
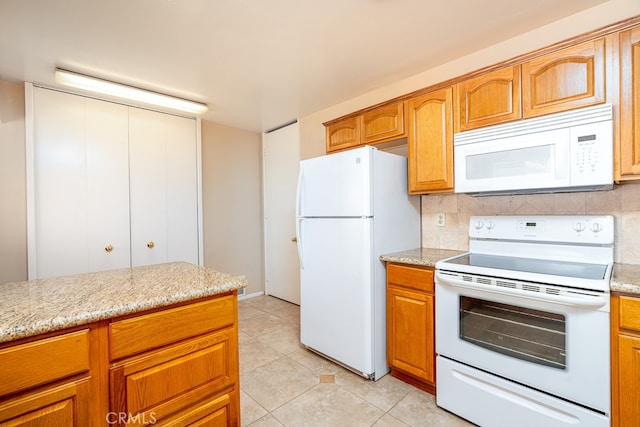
column 588, row 229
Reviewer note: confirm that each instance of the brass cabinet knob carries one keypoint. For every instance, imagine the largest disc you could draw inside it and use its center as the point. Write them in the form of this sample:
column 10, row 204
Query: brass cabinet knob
column 108, row 248
column 294, row 239
column 150, row 245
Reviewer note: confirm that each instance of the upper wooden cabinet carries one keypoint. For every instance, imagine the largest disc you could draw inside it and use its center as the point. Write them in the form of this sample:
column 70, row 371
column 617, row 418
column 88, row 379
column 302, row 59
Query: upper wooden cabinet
column 343, row 134
column 488, row 99
column 628, row 156
column 380, row 124
column 383, row 123
column 570, row 78
column 430, row 140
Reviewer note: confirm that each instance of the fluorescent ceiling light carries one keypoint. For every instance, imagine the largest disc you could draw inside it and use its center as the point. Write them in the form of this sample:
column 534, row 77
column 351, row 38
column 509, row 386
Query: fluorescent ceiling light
column 92, row 84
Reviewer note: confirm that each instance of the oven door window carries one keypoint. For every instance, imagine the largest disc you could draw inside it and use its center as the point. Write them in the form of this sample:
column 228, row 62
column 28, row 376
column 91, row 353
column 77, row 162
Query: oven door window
column 532, row 335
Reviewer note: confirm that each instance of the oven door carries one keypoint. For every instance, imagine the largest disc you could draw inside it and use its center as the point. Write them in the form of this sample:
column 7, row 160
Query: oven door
column 560, row 349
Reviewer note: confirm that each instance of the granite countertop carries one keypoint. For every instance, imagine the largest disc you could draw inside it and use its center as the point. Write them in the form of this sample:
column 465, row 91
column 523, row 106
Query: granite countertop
column 46, row 305
column 625, row 277
column 420, row 256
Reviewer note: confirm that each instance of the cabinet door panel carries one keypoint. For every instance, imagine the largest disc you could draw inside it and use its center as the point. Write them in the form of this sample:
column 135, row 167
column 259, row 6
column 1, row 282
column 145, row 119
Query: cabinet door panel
column 383, row 123
column 177, row 379
column 65, row 405
column 431, row 142
column 629, row 377
column 570, row 78
column 411, row 345
column 629, row 158
column 343, row 134
column 489, row 99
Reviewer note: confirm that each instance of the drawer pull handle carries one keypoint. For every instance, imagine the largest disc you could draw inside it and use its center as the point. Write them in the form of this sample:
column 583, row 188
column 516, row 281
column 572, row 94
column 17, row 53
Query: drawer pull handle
column 108, row 248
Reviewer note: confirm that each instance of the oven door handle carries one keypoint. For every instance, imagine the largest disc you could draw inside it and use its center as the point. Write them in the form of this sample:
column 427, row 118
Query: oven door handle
column 584, row 300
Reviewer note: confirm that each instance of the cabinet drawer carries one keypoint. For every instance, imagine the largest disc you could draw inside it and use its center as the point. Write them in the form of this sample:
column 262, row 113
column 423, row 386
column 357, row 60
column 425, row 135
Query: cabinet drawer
column 411, row 277
column 171, row 380
column 138, row 334
column 630, row 313
column 39, row 362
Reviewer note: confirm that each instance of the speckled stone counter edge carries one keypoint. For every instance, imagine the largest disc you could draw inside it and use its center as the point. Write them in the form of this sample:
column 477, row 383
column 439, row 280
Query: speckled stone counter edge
column 47, row 305
column 625, row 277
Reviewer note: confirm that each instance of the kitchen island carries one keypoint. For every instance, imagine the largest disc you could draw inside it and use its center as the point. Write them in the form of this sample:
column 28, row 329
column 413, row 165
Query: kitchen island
column 147, row 344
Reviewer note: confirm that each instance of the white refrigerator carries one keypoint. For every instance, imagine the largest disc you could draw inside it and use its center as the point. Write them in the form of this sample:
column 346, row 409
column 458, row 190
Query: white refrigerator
column 351, row 207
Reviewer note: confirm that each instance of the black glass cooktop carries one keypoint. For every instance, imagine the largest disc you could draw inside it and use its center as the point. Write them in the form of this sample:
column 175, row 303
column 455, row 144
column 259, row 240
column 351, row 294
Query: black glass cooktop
column 529, row 265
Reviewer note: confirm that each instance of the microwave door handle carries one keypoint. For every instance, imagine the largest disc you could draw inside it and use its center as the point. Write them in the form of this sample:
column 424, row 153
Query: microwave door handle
column 579, row 301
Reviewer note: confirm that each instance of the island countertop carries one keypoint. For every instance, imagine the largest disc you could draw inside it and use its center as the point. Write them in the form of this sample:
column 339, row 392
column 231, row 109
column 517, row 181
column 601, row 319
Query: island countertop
column 45, row 305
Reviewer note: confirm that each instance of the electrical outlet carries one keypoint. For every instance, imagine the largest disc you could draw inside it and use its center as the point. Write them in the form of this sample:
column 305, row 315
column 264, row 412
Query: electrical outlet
column 440, row 219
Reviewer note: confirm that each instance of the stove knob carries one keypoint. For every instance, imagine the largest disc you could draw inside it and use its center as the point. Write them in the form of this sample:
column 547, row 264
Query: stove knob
column 596, row 227
column 490, row 225
column 578, row 226
column 478, row 224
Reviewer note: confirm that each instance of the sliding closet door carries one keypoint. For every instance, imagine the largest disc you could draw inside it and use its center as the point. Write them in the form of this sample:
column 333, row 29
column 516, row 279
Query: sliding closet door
column 80, row 185
column 163, row 188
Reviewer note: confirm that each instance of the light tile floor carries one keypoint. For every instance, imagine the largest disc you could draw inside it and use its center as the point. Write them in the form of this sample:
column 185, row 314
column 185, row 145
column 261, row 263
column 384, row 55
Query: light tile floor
column 283, row 384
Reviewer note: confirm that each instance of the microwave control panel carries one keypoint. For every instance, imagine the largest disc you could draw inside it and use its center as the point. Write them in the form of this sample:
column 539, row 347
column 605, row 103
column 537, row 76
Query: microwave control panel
column 592, row 153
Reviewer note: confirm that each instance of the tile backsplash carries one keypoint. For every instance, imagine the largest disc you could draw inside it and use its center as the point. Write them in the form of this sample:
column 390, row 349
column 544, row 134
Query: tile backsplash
column 623, row 202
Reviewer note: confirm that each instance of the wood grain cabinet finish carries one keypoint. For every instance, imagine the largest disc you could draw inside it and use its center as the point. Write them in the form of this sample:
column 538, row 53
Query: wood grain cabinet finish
column 380, row 124
column 628, row 164
column 47, row 382
column 488, row 99
column 410, row 325
column 383, row 123
column 625, row 361
column 179, row 381
column 343, row 134
column 570, row 78
column 173, row 366
column 430, row 140
column 176, row 363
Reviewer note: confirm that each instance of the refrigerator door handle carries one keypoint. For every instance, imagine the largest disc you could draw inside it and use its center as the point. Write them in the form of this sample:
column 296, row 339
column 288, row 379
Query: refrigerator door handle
column 299, row 241
column 299, row 193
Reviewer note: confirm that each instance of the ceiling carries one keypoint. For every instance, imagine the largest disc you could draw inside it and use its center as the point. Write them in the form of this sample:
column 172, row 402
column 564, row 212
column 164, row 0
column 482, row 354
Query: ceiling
column 257, row 63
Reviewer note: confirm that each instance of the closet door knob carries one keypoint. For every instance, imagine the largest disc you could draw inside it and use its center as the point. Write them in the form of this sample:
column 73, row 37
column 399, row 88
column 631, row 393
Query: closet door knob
column 150, row 245
column 108, row 248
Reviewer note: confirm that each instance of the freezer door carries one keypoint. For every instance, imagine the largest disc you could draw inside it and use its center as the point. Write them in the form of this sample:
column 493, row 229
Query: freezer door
column 336, row 301
column 336, row 185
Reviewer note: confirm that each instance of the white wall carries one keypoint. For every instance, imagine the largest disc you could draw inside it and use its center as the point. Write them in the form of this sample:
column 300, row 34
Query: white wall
column 232, row 202
column 13, row 200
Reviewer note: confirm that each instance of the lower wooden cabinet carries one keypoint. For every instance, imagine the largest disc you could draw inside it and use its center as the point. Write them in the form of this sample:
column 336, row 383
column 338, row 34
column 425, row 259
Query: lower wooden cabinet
column 410, row 325
column 625, row 361
column 177, row 366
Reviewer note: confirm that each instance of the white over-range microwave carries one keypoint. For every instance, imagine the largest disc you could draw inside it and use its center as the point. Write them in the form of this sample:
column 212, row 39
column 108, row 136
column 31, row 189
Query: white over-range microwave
column 570, row 151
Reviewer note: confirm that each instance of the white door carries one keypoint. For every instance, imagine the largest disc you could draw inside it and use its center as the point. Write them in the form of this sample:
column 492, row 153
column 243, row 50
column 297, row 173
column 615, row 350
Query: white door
column 163, row 188
column 80, row 206
column 281, row 161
